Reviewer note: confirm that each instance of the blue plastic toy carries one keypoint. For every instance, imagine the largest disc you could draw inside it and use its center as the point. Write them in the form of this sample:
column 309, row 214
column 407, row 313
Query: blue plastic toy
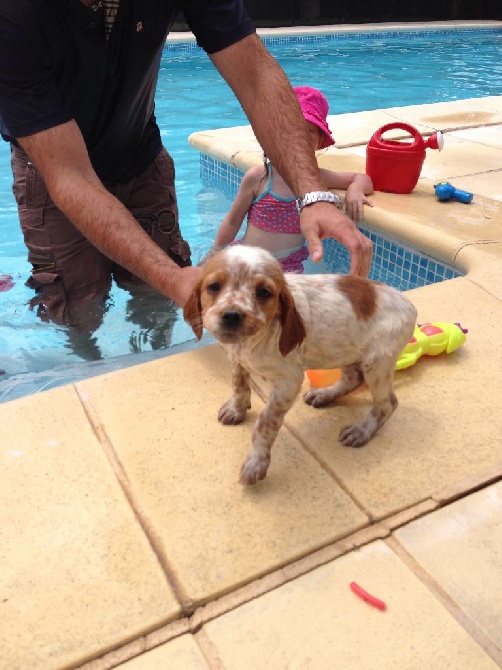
column 445, row 191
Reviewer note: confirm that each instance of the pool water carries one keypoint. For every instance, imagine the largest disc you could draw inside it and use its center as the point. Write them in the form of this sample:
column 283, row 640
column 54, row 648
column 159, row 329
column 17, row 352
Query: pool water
column 356, row 72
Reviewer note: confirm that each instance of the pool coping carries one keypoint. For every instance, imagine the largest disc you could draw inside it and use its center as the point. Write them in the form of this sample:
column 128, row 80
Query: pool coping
column 349, row 28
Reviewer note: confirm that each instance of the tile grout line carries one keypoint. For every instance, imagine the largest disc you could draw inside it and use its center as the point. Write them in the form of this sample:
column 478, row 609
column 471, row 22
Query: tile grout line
column 483, row 288
column 324, row 466
column 134, row 649
column 462, row 618
column 99, row 430
column 209, row 650
column 468, row 485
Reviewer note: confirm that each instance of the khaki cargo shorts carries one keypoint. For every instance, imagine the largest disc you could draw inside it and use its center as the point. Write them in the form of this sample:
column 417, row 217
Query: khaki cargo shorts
column 70, row 276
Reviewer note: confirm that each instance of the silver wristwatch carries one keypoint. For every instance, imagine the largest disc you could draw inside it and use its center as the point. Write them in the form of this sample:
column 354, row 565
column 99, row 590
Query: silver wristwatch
column 318, row 196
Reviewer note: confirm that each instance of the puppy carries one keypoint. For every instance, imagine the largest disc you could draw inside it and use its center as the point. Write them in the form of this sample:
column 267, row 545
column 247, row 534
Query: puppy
column 278, row 325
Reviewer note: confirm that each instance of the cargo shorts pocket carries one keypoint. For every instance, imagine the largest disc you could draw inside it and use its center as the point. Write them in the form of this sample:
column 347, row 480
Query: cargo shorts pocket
column 28, row 186
column 167, row 225
column 50, row 299
column 164, row 231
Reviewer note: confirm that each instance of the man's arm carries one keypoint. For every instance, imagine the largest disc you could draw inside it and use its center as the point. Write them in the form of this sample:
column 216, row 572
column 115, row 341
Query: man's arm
column 270, row 104
column 61, row 157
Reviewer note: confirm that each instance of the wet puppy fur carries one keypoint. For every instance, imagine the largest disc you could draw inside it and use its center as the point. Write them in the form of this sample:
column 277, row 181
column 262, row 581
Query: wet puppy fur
column 278, row 325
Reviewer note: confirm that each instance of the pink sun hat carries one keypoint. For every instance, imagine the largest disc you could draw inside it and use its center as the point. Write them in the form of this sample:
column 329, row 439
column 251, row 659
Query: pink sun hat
column 315, row 109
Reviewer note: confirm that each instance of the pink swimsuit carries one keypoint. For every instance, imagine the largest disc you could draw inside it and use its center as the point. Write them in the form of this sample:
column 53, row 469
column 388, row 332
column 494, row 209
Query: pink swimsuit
column 275, row 214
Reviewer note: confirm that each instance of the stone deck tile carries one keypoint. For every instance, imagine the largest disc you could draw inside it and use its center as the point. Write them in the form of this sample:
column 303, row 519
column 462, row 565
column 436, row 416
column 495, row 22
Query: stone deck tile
column 460, row 547
column 485, row 266
column 356, row 128
column 460, row 157
column 77, row 575
column 489, row 135
column 452, row 115
column 487, row 184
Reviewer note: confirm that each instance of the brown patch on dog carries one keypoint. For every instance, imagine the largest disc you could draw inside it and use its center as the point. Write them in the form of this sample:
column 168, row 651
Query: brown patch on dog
column 293, row 329
column 192, row 311
column 361, row 293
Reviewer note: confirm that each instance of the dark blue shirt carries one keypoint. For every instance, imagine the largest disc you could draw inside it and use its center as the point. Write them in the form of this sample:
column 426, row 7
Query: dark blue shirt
column 56, row 65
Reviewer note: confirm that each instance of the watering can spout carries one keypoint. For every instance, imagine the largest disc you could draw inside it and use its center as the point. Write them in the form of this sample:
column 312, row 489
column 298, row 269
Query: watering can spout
column 435, row 141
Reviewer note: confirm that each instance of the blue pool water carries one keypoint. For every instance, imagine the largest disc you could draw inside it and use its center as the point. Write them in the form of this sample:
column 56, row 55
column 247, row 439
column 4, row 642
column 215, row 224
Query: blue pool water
column 356, row 72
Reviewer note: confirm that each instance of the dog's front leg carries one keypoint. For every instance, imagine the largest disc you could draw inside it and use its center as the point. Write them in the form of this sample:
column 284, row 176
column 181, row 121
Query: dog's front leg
column 265, row 431
column 234, row 410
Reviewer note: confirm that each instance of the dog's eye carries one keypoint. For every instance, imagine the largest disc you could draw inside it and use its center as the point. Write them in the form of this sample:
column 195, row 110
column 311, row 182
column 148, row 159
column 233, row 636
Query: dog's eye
column 263, row 293
column 214, row 287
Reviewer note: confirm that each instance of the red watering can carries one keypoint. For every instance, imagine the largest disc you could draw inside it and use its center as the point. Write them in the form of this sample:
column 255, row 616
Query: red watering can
column 395, row 165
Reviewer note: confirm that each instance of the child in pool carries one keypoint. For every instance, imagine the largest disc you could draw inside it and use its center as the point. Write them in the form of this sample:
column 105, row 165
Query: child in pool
column 273, row 221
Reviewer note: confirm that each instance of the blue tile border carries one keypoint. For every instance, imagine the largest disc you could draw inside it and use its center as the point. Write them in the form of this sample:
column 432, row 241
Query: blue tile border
column 219, row 175
column 386, row 35
column 182, row 48
column 393, row 262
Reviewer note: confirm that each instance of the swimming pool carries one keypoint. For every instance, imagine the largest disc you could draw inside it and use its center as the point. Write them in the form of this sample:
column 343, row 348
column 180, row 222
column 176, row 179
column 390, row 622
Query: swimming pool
column 400, row 69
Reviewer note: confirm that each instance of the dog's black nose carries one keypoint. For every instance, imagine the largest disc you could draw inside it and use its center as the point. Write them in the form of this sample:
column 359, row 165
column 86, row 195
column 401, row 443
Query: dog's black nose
column 232, row 319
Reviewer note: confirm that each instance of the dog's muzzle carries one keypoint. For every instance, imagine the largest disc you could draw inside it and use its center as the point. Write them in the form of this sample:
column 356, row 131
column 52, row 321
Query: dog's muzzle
column 232, row 320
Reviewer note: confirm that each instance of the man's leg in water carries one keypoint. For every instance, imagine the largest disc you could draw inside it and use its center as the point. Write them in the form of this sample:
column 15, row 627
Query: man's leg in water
column 151, row 198
column 70, row 277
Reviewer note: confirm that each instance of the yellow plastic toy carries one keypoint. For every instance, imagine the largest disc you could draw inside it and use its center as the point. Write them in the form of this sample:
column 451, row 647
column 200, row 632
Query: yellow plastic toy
column 429, row 339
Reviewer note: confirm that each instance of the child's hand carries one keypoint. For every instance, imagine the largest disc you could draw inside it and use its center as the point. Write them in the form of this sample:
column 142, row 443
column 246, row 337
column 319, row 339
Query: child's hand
column 354, row 203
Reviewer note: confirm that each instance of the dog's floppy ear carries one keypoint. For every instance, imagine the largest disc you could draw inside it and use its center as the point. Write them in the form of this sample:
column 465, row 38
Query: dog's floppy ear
column 293, row 329
column 192, row 311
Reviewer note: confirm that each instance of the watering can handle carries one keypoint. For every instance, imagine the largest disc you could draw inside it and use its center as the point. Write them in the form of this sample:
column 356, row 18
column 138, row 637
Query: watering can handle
column 397, row 125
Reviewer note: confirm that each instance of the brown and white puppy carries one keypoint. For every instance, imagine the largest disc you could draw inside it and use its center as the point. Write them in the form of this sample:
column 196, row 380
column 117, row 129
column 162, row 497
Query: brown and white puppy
column 278, row 325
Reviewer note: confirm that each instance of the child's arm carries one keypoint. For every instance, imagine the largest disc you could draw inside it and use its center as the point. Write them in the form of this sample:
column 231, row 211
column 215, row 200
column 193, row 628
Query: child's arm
column 357, row 187
column 233, row 220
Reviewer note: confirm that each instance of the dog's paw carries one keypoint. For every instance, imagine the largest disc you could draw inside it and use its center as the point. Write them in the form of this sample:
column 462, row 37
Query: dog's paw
column 232, row 413
column 355, row 435
column 317, row 397
column 254, row 469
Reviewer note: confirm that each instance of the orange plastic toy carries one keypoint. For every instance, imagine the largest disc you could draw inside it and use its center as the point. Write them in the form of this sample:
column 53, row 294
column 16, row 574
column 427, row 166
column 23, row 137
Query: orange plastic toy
column 429, row 339
column 323, row 377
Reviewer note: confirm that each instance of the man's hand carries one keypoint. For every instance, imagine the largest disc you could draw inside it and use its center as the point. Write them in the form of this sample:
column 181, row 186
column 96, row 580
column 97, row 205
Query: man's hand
column 322, row 220
column 187, row 279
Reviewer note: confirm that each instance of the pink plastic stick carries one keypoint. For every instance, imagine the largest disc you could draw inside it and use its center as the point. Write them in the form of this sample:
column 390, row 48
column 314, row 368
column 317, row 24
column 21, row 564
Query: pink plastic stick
column 359, row 591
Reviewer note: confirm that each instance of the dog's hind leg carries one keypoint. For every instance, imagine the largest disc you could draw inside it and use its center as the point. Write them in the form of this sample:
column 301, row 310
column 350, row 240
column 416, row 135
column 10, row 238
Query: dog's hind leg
column 352, row 377
column 378, row 376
